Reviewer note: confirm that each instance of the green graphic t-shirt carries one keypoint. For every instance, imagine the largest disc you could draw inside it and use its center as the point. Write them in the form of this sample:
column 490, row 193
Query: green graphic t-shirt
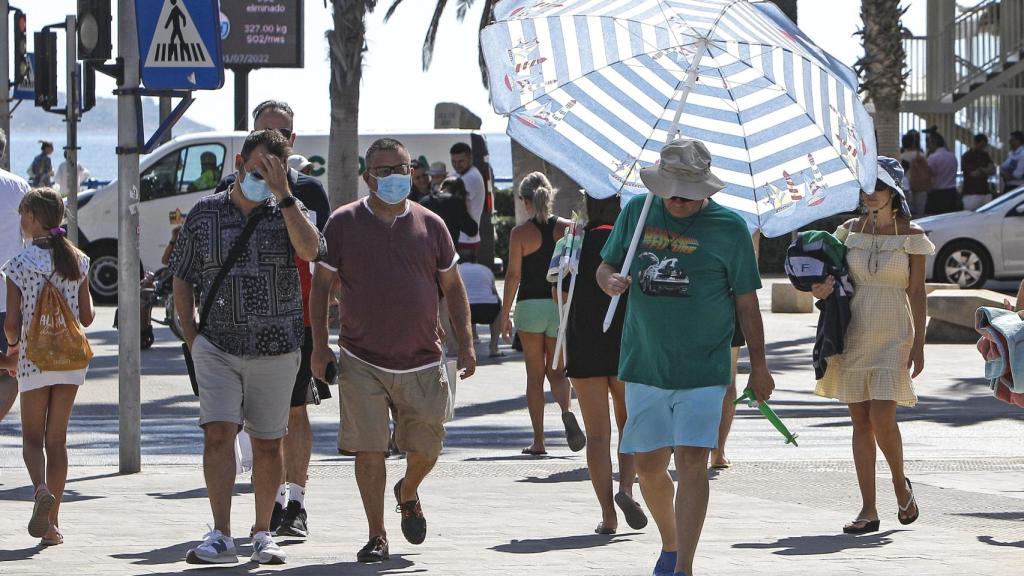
column 682, row 308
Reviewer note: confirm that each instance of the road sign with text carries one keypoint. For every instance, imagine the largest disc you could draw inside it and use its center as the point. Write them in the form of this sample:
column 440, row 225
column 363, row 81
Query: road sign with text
column 179, row 44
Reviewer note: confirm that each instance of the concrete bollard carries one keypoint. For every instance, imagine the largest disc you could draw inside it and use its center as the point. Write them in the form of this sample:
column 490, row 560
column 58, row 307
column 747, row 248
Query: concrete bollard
column 788, row 300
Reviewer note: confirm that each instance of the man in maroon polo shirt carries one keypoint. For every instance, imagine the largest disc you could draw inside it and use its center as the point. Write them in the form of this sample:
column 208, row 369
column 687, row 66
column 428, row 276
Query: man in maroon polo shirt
column 390, row 255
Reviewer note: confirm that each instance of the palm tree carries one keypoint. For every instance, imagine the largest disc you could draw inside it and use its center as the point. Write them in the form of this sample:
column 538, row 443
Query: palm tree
column 881, row 68
column 347, row 43
column 461, row 10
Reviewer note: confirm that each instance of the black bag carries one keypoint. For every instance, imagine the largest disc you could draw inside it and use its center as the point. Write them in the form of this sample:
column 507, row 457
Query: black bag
column 204, row 312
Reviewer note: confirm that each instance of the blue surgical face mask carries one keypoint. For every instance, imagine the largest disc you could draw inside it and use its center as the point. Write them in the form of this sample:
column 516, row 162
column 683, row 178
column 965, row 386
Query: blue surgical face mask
column 255, row 188
column 393, row 189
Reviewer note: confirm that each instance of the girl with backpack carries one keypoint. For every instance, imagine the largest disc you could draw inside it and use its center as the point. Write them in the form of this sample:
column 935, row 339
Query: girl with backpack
column 48, row 302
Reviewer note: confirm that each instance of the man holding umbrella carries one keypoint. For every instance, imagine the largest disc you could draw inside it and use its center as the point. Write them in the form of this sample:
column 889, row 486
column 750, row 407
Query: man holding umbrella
column 694, row 273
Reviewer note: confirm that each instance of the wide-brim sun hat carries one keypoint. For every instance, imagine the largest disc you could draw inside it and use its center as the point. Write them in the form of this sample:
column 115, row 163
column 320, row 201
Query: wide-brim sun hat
column 684, row 171
column 890, row 173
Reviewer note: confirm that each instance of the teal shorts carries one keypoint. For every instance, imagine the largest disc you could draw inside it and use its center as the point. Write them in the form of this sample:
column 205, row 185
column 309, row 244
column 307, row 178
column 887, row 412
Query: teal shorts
column 537, row 316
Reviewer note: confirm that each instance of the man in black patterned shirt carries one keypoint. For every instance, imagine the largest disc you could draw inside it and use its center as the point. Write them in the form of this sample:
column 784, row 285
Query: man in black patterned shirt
column 248, row 352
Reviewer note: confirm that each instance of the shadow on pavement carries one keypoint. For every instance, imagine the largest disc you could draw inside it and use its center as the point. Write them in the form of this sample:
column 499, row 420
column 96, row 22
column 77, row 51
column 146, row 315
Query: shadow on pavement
column 820, row 545
column 167, row 555
column 517, row 458
column 986, row 540
column 1005, row 516
column 578, row 475
column 243, row 488
column 19, row 554
column 26, row 492
column 397, row 565
column 580, row 542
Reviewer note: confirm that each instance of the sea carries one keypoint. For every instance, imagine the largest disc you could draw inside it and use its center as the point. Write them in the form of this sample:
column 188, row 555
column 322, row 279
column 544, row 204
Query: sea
column 97, row 154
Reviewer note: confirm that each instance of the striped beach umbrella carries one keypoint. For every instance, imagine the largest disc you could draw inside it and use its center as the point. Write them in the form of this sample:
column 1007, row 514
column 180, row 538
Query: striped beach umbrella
column 597, row 87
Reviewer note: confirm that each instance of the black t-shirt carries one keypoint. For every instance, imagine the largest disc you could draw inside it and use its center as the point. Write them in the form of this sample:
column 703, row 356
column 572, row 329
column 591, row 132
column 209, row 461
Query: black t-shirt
column 454, row 213
column 306, row 189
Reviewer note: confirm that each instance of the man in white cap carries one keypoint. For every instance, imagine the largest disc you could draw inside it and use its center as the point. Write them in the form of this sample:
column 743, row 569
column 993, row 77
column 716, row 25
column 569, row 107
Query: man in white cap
column 300, row 164
column 438, row 172
column 693, row 274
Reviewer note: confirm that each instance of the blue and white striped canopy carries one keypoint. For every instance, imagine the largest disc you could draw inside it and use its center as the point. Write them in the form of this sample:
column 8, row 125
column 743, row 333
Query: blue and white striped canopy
column 592, row 86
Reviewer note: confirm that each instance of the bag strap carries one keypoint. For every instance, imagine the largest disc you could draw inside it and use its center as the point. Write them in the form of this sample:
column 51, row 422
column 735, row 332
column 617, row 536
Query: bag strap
column 229, row 263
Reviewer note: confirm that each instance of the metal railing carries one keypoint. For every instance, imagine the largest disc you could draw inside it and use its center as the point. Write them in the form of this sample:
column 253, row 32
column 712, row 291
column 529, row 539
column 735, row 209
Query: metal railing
column 983, row 41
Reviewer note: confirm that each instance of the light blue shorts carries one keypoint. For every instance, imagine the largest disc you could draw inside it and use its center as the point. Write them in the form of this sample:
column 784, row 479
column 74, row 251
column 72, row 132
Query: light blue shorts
column 660, row 418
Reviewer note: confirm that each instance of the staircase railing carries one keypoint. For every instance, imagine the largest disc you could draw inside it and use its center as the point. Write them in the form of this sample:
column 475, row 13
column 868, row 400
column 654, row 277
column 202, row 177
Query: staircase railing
column 981, row 42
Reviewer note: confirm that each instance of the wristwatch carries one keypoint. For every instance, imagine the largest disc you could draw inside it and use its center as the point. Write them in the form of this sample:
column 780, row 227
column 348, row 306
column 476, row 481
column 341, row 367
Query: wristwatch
column 288, row 202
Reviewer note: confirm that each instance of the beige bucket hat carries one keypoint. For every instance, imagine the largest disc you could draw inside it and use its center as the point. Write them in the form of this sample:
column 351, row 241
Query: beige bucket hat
column 684, row 171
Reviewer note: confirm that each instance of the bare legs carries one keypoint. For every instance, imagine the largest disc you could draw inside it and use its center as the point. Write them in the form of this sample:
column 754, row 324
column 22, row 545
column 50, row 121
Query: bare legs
column 678, row 512
column 45, row 414
column 219, row 470
column 874, row 423
column 592, row 394
column 718, row 458
column 298, row 446
column 371, row 477
column 8, row 393
column 538, row 351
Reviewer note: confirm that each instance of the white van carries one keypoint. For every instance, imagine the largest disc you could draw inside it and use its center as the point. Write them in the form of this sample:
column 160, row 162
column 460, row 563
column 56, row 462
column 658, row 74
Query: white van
column 172, row 180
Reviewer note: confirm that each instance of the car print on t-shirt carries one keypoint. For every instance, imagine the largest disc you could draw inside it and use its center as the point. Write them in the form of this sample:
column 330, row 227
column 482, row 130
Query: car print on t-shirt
column 662, row 277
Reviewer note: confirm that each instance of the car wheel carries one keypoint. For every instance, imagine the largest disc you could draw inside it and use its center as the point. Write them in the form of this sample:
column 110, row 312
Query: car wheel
column 103, row 272
column 964, row 263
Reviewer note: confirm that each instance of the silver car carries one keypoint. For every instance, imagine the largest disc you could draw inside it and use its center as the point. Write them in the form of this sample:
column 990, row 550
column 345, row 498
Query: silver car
column 973, row 247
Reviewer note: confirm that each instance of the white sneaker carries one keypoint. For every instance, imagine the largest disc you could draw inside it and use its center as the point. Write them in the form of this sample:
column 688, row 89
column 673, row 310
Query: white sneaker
column 215, row 549
column 265, row 550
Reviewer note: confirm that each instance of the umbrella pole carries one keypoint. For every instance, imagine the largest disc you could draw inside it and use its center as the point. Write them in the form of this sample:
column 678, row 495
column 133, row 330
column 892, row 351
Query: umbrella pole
column 691, row 79
column 563, row 309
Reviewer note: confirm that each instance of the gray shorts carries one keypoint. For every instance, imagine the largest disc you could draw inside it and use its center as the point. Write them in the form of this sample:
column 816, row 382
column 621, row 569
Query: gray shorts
column 254, row 391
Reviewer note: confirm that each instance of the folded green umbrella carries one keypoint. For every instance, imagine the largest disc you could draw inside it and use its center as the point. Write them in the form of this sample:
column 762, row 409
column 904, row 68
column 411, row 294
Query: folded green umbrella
column 766, row 410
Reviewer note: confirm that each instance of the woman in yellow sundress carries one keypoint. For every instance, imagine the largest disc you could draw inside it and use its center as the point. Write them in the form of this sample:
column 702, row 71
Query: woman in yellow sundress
column 885, row 338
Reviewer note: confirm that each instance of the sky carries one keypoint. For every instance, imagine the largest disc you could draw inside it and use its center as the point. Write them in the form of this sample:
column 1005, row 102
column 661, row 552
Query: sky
column 396, row 94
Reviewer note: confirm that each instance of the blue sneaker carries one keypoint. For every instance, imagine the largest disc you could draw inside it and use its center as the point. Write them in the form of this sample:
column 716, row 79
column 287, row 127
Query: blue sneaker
column 666, row 565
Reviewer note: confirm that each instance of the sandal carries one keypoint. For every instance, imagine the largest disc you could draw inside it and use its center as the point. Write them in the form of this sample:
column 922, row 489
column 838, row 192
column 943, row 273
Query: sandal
column 911, row 502
column 868, row 526
column 631, row 509
column 39, row 524
column 527, row 451
column 55, row 540
column 574, row 436
column 602, row 530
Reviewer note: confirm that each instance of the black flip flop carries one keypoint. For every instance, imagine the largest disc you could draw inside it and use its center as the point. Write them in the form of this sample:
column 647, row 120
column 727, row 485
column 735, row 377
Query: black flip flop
column 603, row 531
column 529, row 452
column 574, row 436
column 631, row 509
column 911, row 502
column 868, row 526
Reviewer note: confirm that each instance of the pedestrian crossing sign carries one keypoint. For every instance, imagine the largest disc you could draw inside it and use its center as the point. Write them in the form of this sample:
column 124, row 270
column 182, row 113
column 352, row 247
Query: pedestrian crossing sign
column 179, row 44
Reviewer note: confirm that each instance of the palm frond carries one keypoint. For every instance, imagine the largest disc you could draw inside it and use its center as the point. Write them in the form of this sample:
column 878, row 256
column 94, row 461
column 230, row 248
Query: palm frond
column 431, row 39
column 391, row 10
column 462, row 8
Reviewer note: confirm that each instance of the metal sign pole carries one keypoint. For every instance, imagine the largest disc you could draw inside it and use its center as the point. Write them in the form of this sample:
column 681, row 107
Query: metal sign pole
column 5, row 87
column 70, row 187
column 128, row 113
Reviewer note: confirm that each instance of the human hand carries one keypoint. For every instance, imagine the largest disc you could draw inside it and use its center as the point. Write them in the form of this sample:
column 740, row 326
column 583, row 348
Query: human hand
column 916, row 360
column 275, row 174
column 506, row 329
column 824, row 289
column 762, row 383
column 467, row 361
column 616, row 284
column 318, row 361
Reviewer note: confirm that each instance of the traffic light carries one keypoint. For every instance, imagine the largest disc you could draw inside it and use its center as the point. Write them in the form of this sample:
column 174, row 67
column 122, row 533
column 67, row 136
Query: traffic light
column 94, row 30
column 88, row 87
column 21, row 64
column 46, row 69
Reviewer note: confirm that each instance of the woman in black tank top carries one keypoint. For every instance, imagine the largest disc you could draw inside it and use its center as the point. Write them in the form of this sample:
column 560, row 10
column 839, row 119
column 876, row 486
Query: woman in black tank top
column 536, row 315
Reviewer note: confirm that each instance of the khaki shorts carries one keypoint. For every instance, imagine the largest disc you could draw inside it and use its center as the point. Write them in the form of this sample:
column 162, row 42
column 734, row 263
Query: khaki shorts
column 419, row 400
column 252, row 390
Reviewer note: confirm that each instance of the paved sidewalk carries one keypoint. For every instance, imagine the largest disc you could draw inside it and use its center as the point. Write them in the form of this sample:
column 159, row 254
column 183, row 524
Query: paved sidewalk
column 532, row 517
column 492, row 511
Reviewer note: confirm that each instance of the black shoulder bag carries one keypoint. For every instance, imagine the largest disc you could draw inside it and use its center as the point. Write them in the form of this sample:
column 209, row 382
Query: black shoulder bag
column 229, row 263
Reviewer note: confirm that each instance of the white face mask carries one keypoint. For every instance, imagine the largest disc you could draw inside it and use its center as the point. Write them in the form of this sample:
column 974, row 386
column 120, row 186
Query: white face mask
column 255, row 188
